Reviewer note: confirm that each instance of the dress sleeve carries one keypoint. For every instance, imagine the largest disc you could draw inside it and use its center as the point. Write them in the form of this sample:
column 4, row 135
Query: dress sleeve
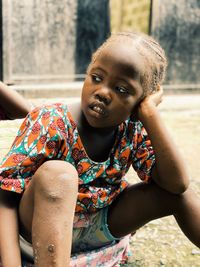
column 143, row 157
column 38, row 140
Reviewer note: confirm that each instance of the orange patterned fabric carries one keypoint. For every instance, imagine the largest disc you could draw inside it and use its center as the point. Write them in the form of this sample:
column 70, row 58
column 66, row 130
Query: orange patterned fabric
column 49, row 132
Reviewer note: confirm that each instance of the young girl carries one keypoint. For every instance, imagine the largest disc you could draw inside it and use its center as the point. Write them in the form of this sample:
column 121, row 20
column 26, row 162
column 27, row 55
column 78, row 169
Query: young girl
column 12, row 105
column 63, row 185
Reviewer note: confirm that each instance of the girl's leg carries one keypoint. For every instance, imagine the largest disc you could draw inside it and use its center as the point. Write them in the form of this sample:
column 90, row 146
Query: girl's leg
column 46, row 213
column 141, row 203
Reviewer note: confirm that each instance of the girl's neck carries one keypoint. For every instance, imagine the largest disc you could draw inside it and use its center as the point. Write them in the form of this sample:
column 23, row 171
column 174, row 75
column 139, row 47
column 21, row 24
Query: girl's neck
column 97, row 142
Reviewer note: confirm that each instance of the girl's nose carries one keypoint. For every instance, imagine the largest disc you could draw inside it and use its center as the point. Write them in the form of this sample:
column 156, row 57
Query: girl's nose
column 104, row 95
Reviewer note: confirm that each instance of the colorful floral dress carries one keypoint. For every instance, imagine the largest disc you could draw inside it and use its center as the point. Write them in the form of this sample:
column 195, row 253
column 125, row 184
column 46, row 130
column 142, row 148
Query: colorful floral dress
column 49, row 132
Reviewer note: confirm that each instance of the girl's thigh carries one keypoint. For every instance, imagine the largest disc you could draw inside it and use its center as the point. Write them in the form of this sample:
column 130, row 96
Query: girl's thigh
column 137, row 205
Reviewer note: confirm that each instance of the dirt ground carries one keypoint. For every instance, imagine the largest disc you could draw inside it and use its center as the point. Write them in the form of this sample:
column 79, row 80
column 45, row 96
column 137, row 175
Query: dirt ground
column 159, row 243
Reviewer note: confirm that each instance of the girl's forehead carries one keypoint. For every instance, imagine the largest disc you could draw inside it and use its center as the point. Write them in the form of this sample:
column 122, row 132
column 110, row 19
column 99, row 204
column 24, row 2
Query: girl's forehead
column 122, row 55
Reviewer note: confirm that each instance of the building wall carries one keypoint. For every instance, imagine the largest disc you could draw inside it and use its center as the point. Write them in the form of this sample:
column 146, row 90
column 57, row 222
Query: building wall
column 51, row 41
column 127, row 15
column 176, row 25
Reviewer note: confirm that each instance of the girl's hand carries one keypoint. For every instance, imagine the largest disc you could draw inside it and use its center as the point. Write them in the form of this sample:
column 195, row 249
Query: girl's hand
column 150, row 102
column 155, row 98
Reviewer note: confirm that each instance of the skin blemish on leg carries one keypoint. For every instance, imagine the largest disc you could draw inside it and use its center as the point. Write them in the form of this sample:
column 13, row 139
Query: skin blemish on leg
column 35, row 252
column 35, row 256
column 51, row 248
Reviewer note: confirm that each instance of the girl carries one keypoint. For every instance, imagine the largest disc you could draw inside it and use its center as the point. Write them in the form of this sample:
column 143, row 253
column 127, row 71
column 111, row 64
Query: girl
column 12, row 105
column 63, row 183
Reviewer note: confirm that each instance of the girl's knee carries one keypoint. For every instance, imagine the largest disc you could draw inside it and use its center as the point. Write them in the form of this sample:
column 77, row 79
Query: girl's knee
column 56, row 179
column 188, row 196
column 56, row 167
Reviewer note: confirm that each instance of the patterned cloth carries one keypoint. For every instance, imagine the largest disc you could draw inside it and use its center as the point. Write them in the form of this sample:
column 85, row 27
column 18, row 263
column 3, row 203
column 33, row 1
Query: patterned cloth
column 49, row 132
column 114, row 255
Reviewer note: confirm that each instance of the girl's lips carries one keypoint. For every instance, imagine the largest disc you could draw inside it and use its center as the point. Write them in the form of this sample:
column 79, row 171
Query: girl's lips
column 99, row 109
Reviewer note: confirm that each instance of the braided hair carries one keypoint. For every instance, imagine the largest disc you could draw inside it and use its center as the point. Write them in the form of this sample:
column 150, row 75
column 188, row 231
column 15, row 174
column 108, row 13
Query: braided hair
column 150, row 50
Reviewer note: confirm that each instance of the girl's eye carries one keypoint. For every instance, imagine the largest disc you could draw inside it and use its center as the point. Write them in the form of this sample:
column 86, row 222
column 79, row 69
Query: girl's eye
column 96, row 78
column 121, row 89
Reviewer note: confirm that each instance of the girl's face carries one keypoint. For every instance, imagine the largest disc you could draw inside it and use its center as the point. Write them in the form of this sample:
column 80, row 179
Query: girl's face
column 112, row 88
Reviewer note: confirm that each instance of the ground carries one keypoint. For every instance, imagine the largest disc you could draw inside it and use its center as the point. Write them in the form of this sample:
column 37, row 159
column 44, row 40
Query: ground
column 159, row 243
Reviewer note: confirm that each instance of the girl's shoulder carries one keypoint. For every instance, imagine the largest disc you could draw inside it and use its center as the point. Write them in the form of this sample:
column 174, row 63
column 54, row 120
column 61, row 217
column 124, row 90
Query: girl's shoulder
column 135, row 130
column 57, row 112
column 58, row 107
column 55, row 109
column 133, row 123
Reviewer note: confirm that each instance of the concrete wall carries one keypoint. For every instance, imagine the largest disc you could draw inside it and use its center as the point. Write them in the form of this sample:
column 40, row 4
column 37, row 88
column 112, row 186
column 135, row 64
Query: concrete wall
column 128, row 15
column 176, row 24
column 48, row 41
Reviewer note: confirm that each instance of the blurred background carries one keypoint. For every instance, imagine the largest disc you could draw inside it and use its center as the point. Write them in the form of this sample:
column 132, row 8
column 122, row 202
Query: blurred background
column 128, row 15
column 48, row 44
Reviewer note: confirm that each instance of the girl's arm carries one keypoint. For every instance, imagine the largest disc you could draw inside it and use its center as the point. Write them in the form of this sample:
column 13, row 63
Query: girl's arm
column 14, row 105
column 169, row 172
column 9, row 244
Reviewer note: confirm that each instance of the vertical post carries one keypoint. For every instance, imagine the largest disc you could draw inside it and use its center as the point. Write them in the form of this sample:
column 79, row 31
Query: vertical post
column 150, row 17
column 92, row 28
